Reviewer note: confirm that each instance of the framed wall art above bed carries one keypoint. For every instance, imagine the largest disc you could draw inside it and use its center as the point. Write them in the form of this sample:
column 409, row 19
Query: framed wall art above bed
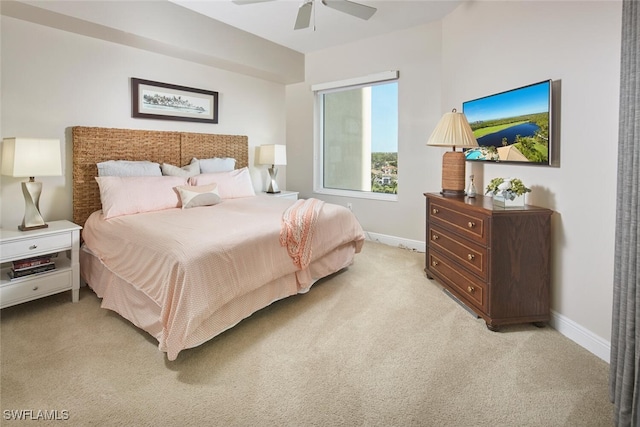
column 156, row 100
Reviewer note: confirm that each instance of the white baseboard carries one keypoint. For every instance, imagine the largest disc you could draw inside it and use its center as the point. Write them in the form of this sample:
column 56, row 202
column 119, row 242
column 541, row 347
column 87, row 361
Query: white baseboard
column 567, row 327
column 414, row 245
column 581, row 336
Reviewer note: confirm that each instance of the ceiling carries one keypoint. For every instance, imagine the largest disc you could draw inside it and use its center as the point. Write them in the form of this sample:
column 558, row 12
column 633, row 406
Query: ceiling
column 274, row 20
column 253, row 39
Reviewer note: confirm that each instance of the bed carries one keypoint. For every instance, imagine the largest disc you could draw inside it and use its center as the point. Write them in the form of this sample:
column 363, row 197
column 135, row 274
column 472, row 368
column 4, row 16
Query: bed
column 186, row 275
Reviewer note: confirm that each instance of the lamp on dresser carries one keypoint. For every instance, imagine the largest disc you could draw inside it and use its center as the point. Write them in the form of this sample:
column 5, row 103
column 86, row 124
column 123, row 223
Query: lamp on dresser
column 30, row 157
column 453, row 130
column 273, row 154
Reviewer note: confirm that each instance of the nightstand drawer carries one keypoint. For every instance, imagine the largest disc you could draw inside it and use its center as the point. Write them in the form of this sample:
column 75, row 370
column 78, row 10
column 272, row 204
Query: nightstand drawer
column 30, row 288
column 465, row 223
column 28, row 247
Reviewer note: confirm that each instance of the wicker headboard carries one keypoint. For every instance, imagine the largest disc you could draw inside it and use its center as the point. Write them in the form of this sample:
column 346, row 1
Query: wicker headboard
column 92, row 145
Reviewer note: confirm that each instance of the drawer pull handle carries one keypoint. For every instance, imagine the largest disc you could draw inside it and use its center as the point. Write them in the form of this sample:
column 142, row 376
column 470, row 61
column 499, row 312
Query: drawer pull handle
column 435, row 237
column 471, row 289
column 470, row 257
column 471, row 224
column 434, row 263
column 32, row 247
column 35, row 288
column 434, row 211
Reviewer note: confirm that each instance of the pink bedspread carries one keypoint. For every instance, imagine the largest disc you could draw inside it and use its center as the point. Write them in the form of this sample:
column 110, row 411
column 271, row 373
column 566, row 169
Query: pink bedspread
column 192, row 262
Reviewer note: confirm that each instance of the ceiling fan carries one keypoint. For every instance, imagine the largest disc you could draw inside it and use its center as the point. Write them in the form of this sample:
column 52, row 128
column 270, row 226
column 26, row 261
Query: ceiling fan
column 304, row 12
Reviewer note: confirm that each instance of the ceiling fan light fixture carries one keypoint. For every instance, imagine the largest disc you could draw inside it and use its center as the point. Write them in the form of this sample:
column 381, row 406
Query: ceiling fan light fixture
column 303, row 20
column 304, row 15
column 358, row 10
column 242, row 2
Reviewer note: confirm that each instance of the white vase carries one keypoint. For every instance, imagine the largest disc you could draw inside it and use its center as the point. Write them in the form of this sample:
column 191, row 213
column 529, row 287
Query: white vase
column 503, row 202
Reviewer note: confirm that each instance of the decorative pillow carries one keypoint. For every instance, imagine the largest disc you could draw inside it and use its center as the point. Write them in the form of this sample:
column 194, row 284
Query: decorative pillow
column 231, row 185
column 204, row 195
column 186, row 171
column 128, row 168
column 217, row 164
column 126, row 195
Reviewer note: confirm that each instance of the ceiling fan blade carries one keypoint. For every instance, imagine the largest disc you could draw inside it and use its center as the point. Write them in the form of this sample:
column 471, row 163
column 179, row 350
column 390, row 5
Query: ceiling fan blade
column 304, row 16
column 354, row 9
column 241, row 2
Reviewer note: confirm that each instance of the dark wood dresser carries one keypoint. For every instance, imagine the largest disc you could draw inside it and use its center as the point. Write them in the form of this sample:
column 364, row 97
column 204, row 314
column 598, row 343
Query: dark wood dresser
column 494, row 260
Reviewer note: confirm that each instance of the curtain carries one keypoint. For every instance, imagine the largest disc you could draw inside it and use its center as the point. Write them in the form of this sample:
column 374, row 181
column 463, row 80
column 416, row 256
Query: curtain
column 624, row 376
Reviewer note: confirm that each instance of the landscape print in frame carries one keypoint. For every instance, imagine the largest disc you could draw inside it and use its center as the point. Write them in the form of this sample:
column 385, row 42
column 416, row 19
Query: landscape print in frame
column 156, row 100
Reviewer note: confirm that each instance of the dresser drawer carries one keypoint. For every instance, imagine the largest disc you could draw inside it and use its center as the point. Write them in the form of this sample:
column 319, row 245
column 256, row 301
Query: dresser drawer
column 30, row 288
column 465, row 252
column 468, row 224
column 465, row 285
column 28, row 247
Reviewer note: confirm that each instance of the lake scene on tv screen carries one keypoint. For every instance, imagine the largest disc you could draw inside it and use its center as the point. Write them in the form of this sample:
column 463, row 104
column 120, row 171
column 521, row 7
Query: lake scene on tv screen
column 511, row 126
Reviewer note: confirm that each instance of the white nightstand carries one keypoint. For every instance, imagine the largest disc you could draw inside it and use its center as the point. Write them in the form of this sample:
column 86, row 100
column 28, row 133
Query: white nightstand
column 293, row 195
column 62, row 238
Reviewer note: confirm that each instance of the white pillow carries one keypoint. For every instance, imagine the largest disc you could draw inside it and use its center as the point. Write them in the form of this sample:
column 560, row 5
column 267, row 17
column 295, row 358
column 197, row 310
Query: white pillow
column 128, row 168
column 216, row 164
column 194, row 196
column 187, row 171
column 231, row 185
column 126, row 195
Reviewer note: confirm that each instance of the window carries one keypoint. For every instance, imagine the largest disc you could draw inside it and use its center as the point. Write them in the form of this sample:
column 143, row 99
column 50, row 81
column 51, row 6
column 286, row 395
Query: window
column 357, row 137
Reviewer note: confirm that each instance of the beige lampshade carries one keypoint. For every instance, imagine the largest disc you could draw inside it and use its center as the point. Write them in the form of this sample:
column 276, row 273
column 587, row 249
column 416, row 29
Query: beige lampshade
column 453, row 130
column 273, row 154
column 30, row 157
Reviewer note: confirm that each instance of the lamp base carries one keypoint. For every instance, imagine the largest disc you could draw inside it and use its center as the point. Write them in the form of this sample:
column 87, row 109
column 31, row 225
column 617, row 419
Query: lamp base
column 452, row 193
column 31, row 191
column 273, row 185
column 35, row 227
column 453, row 168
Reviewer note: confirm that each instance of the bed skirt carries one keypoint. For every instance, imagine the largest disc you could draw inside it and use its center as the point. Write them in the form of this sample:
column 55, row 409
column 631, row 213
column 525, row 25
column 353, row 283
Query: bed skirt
column 122, row 297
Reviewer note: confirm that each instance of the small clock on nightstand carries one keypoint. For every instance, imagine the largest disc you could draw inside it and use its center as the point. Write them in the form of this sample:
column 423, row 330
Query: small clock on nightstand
column 293, row 195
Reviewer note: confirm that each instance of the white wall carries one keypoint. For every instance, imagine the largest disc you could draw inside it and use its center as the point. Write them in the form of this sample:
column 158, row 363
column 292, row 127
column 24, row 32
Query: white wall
column 508, row 44
column 53, row 80
column 164, row 27
column 416, row 54
column 481, row 48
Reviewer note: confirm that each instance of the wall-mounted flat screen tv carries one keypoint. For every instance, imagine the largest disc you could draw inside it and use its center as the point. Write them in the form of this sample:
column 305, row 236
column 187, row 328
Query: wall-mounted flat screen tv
column 512, row 126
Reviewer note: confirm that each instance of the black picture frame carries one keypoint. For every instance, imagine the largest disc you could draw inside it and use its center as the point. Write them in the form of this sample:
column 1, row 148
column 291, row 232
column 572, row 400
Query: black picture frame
column 164, row 101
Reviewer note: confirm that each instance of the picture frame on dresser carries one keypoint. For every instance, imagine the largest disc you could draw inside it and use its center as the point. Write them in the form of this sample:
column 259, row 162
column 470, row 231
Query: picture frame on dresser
column 164, row 101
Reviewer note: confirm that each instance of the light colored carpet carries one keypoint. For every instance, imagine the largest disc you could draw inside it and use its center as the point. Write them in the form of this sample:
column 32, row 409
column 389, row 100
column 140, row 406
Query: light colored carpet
column 375, row 345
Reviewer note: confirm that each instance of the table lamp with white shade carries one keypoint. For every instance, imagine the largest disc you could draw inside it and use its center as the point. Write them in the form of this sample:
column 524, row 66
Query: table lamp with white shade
column 453, row 130
column 273, row 154
column 31, row 157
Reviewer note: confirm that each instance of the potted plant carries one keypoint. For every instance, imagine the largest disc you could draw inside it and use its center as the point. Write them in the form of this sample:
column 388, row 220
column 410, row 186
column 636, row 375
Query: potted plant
column 507, row 191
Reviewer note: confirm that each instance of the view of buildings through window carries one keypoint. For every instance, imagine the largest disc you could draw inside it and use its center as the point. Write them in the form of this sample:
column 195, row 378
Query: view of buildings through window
column 360, row 138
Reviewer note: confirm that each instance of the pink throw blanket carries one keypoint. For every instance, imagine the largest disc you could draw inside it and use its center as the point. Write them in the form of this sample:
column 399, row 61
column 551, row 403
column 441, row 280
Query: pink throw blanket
column 298, row 226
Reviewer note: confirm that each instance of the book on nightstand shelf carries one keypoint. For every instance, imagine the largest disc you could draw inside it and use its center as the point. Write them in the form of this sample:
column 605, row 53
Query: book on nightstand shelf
column 29, row 266
column 33, row 261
